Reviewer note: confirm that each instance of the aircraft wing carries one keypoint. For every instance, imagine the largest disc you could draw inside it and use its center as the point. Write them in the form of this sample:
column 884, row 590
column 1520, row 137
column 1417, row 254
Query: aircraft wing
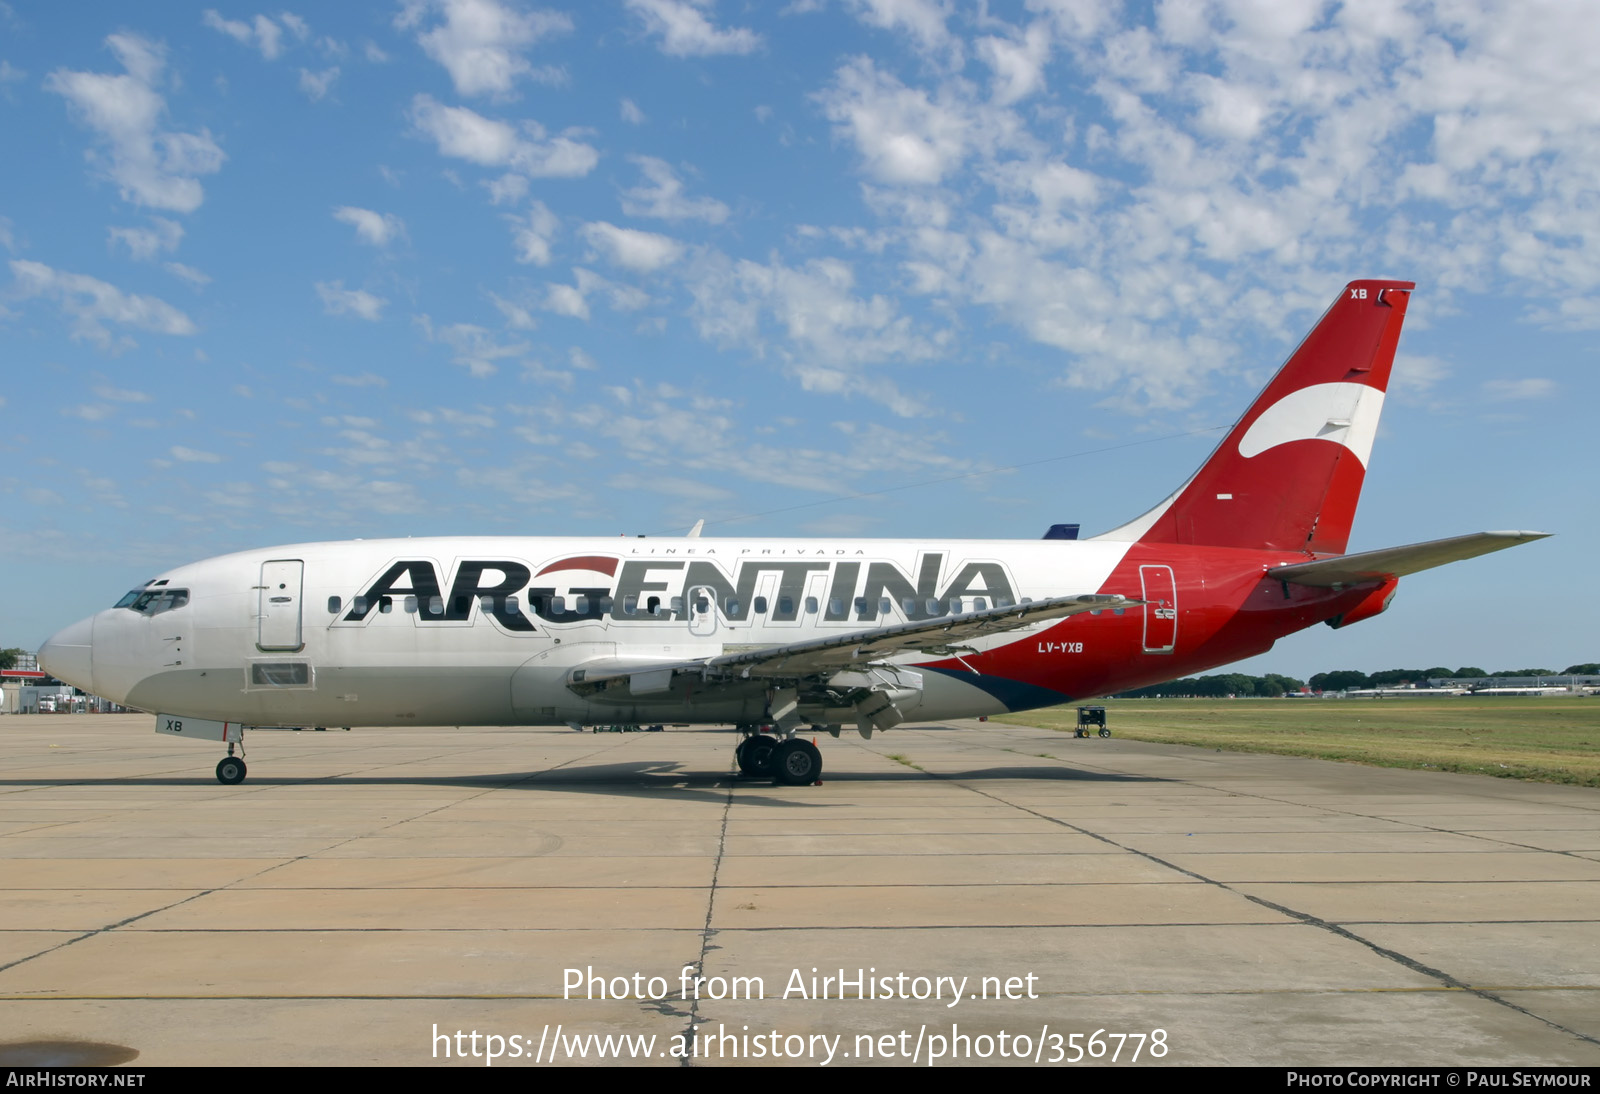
column 1398, row 561
column 853, row 650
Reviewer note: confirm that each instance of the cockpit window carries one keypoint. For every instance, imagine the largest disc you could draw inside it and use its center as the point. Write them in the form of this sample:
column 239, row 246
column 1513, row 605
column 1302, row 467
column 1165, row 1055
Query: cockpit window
column 154, row 601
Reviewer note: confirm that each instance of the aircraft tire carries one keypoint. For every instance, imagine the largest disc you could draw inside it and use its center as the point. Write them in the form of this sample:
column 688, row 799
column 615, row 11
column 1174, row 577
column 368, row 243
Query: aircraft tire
column 755, row 755
column 796, row 763
column 1105, row 732
column 230, row 771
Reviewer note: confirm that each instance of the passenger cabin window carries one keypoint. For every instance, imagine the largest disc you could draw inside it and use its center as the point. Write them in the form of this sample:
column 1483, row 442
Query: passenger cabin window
column 677, row 605
column 558, row 605
column 411, row 605
column 511, row 606
column 606, row 604
column 653, row 605
column 979, row 604
column 955, row 605
column 811, row 605
column 885, row 606
column 333, row 605
column 785, row 605
column 731, row 606
column 630, row 605
column 463, row 604
column 386, row 604
column 435, row 605
column 760, row 605
column 863, row 608
column 580, row 604
column 835, row 606
column 358, row 605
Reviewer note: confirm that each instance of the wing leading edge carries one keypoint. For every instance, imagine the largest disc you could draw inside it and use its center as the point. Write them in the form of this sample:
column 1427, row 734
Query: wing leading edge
column 857, row 649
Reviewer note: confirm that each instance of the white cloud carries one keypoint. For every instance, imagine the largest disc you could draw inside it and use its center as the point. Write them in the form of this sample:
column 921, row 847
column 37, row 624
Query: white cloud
column 1017, row 63
column 1529, row 387
column 153, row 166
column 316, row 85
column 573, row 300
column 531, row 234
column 121, row 395
column 480, row 42
column 366, row 379
column 566, row 300
column 516, row 316
column 198, row 279
column 508, row 189
column 337, row 300
column 902, row 135
column 468, row 135
column 146, row 243
column 685, row 31
column 10, row 73
column 93, row 303
column 90, row 412
column 922, row 20
column 636, row 250
column 661, row 196
column 810, row 317
column 374, row 228
column 472, row 347
column 193, row 455
column 260, row 33
column 631, row 113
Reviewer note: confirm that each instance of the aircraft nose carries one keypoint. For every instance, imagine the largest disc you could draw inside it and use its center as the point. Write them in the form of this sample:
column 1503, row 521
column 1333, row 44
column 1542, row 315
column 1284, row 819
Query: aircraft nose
column 69, row 655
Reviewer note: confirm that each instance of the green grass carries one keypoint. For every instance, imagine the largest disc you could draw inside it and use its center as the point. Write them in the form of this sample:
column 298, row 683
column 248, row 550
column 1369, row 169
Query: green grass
column 1553, row 740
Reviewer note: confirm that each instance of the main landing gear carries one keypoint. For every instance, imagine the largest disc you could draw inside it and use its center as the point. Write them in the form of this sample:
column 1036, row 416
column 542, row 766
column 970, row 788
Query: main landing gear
column 793, row 762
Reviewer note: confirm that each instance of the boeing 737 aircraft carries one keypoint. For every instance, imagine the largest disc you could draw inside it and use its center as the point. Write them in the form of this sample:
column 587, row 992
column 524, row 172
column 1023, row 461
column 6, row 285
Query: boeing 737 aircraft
column 774, row 635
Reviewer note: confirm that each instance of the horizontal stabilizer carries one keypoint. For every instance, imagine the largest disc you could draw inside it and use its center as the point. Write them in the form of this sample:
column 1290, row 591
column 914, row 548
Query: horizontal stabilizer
column 1398, row 561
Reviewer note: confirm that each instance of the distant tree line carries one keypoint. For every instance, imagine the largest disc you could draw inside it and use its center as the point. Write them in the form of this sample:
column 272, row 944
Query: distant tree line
column 1238, row 684
column 1272, row 685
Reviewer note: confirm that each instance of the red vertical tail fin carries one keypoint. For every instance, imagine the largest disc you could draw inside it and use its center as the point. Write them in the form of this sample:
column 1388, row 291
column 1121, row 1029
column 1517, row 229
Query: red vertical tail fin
column 1288, row 475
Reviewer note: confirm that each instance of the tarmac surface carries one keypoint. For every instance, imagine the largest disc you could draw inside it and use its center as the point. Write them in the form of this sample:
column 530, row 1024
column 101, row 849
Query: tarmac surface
column 364, row 896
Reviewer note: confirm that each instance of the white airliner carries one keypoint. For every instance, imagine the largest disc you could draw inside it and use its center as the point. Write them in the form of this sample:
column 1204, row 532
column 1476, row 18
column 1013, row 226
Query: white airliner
column 774, row 635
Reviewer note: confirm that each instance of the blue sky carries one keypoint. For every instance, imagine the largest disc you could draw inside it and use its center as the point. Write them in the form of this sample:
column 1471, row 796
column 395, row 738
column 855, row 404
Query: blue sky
column 473, row 266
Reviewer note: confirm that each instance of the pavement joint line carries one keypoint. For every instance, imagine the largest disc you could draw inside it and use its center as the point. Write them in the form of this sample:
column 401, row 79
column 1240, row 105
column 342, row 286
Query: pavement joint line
column 708, row 932
column 1305, row 917
column 276, row 865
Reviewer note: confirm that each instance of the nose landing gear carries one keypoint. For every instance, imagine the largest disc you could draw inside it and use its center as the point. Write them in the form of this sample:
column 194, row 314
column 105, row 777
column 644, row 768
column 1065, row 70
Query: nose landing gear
column 231, row 769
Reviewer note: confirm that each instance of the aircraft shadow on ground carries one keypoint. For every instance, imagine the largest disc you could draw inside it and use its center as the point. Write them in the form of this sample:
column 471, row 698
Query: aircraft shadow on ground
column 625, row 779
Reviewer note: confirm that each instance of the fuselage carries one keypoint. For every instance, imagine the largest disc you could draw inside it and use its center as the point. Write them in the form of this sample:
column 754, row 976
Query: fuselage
column 494, row 631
